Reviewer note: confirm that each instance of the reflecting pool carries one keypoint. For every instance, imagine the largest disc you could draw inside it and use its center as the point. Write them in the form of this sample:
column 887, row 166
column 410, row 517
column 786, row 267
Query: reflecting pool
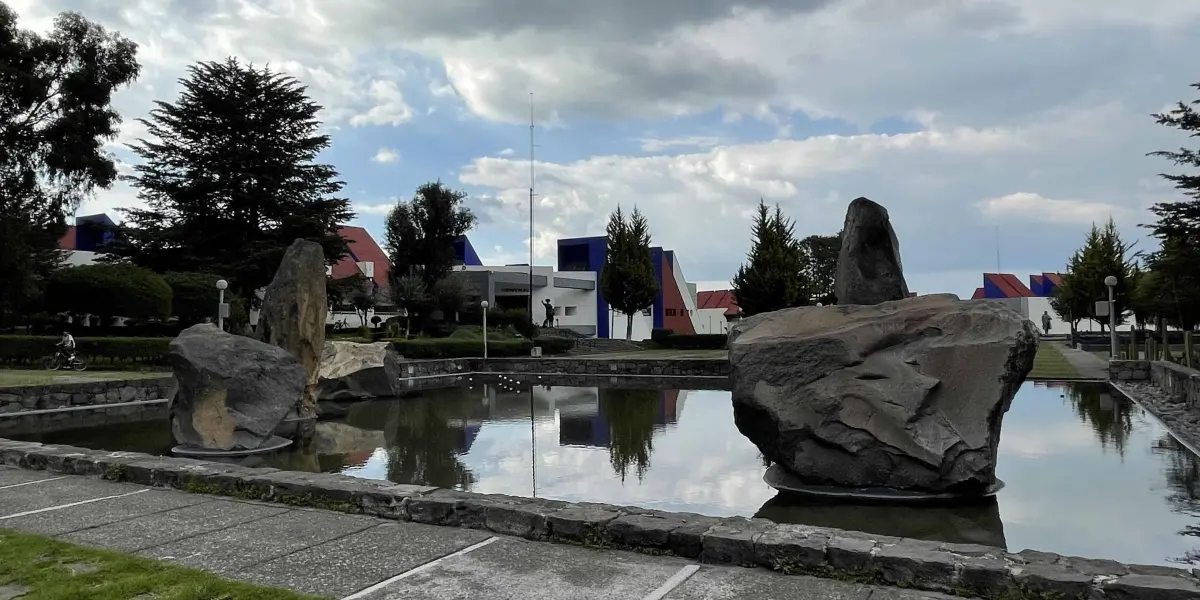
column 1087, row 474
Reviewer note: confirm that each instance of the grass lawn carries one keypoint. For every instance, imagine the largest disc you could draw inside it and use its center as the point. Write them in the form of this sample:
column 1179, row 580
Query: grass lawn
column 1051, row 364
column 52, row 570
column 32, row 377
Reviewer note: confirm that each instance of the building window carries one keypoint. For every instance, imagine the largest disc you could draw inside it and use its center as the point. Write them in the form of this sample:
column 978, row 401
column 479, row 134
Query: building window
column 570, row 311
column 646, row 312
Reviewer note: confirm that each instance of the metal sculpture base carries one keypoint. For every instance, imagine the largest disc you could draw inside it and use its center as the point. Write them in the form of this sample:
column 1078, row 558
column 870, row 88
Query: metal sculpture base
column 271, row 445
column 787, row 483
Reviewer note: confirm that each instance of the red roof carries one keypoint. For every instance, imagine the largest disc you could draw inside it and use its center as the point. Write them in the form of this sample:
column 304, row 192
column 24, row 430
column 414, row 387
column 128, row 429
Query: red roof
column 67, row 241
column 362, row 249
column 1054, row 278
column 718, row 299
column 979, row 293
column 1009, row 285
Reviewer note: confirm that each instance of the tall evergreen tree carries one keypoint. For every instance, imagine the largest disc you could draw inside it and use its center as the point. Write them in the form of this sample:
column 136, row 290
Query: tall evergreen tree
column 773, row 276
column 1176, row 264
column 420, row 233
column 1103, row 253
column 821, row 252
column 627, row 279
column 230, row 178
column 55, row 116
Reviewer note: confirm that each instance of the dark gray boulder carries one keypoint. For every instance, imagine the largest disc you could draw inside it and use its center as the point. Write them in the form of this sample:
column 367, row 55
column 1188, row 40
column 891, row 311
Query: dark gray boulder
column 293, row 312
column 233, row 391
column 351, row 371
column 908, row 394
column 868, row 266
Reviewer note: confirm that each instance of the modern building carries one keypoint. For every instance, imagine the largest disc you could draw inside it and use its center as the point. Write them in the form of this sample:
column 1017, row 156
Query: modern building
column 573, row 289
column 85, row 239
column 1032, row 300
column 716, row 311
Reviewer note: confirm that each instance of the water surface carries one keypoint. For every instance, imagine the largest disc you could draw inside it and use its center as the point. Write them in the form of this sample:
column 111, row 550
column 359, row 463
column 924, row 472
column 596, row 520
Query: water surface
column 1086, row 473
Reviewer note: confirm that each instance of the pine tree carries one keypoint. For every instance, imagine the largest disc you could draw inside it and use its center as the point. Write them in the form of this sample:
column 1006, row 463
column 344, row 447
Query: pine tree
column 55, row 116
column 1104, row 253
column 773, row 276
column 230, row 178
column 627, row 279
column 1176, row 264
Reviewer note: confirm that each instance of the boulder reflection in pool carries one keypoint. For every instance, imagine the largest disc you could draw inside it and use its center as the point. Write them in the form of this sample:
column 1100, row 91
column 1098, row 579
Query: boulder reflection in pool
column 973, row 523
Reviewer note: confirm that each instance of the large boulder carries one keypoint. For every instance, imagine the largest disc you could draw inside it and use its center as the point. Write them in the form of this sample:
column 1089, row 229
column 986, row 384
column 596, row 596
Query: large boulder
column 233, row 391
column 908, row 394
column 868, row 266
column 351, row 371
column 293, row 312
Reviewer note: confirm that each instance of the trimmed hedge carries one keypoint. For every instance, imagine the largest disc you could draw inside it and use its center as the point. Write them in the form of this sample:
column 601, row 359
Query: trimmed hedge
column 30, row 349
column 425, row 348
column 702, row 341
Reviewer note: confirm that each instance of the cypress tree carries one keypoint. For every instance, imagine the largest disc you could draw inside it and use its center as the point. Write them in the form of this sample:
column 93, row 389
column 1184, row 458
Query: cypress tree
column 627, row 279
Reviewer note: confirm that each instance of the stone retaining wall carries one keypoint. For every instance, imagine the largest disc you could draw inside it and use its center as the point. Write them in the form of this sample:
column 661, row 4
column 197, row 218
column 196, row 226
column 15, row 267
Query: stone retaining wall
column 1180, row 382
column 42, row 421
column 95, row 393
column 619, row 367
column 966, row 570
column 1128, row 370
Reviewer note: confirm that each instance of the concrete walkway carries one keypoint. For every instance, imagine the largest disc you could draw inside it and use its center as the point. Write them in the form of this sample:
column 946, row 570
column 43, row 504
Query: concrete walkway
column 1087, row 364
column 362, row 558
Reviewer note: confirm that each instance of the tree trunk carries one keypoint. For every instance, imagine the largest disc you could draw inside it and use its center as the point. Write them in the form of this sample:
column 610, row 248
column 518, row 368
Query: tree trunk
column 629, row 327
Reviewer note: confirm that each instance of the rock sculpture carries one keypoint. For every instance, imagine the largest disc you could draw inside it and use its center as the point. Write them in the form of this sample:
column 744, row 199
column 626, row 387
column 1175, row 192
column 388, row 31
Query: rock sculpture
column 293, row 312
column 908, row 395
column 868, row 266
column 354, row 371
column 233, row 391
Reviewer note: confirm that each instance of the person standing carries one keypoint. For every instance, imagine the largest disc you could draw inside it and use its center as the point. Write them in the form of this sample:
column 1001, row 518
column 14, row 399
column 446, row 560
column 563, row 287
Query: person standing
column 1046, row 321
column 549, row 321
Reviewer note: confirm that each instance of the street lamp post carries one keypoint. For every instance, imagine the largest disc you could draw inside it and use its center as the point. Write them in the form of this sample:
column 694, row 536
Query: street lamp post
column 221, row 285
column 484, row 305
column 1111, row 282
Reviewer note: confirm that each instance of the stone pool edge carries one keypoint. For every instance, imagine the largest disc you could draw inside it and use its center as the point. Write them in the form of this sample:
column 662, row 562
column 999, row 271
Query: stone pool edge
column 960, row 569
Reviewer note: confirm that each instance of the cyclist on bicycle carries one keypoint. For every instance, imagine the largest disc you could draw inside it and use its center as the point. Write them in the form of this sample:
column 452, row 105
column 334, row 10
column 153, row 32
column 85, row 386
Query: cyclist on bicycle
column 66, row 346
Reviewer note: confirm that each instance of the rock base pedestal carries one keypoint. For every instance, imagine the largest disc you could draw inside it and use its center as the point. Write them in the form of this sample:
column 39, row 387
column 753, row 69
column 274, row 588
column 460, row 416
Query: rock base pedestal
column 271, row 445
column 790, row 485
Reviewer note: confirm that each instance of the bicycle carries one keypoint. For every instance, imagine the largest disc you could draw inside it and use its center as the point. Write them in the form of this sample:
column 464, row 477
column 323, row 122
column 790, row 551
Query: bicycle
column 58, row 361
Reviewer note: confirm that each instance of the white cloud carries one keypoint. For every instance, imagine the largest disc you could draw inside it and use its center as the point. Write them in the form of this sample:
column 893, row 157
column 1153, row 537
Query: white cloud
column 1035, row 207
column 386, row 155
column 389, row 106
column 507, row 152
column 697, row 141
column 373, row 209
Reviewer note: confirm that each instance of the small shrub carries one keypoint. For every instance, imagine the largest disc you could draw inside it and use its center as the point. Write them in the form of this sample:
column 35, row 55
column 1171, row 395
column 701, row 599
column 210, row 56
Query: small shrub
column 703, row 341
column 424, row 348
column 659, row 334
column 554, row 345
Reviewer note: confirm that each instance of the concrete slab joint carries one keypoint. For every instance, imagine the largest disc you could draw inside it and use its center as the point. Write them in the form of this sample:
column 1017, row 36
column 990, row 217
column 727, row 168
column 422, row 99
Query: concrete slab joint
column 963, row 570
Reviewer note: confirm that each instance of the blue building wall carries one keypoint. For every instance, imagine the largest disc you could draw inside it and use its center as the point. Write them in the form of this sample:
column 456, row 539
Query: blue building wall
column 465, row 253
column 656, row 256
column 592, row 250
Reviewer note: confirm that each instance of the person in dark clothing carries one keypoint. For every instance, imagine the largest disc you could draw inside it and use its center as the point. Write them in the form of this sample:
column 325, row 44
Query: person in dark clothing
column 549, row 321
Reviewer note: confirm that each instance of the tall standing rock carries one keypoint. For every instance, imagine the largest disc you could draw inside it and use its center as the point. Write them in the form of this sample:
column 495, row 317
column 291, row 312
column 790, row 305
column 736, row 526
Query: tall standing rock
column 868, row 266
column 293, row 313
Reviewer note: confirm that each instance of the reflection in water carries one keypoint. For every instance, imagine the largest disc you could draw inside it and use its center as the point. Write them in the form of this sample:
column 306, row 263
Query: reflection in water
column 1182, row 470
column 1111, row 420
column 976, row 523
column 1087, row 474
column 632, row 416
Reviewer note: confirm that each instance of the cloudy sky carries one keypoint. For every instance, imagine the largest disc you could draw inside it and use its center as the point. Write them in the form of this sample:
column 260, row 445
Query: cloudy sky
column 983, row 125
